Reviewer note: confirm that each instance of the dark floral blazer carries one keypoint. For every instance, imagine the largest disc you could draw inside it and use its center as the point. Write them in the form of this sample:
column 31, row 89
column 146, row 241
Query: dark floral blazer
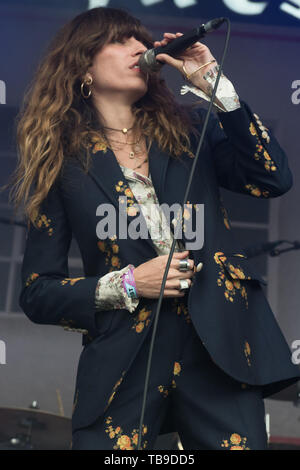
column 226, row 302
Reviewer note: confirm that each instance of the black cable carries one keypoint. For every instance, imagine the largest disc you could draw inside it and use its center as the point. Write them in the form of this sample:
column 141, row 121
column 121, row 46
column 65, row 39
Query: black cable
column 174, row 240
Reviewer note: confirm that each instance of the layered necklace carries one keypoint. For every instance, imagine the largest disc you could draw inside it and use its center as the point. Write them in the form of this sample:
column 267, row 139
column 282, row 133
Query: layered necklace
column 136, row 149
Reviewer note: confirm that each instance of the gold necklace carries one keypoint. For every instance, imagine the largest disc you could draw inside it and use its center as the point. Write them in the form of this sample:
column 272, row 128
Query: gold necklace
column 124, row 130
column 126, row 143
column 144, row 161
column 136, row 148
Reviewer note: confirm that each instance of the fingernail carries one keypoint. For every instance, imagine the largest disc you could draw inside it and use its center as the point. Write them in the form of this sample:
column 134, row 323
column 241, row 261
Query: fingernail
column 199, row 267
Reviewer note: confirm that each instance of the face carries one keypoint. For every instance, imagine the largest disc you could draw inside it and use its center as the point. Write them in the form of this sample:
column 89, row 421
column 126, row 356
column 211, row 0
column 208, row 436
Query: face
column 114, row 72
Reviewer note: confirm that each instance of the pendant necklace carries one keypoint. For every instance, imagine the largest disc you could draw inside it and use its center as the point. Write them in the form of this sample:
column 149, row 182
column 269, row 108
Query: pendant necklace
column 135, row 150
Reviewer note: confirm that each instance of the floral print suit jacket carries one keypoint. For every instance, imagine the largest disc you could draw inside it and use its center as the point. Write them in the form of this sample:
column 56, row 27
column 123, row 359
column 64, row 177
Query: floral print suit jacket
column 226, row 302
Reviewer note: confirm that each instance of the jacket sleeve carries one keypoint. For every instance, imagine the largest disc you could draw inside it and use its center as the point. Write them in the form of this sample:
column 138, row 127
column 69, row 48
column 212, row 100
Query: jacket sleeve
column 247, row 157
column 48, row 295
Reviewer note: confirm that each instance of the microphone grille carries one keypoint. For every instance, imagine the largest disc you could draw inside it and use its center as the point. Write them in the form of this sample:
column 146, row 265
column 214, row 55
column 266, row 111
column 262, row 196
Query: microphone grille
column 148, row 62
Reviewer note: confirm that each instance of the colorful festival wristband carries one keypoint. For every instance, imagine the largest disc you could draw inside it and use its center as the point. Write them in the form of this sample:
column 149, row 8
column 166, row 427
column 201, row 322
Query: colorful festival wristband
column 129, row 283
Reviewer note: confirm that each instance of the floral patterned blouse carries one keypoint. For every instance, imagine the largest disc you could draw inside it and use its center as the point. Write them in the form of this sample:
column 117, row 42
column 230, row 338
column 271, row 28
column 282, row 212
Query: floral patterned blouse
column 110, row 293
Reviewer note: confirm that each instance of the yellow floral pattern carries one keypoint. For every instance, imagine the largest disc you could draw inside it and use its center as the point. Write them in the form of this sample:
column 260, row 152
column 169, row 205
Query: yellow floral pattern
column 232, row 286
column 247, row 351
column 114, row 390
column 42, row 221
column 255, row 191
column 176, row 372
column 164, row 390
column 179, row 307
column 125, row 190
column 263, row 129
column 124, row 441
column 31, row 278
column 261, row 152
column 70, row 280
column 236, row 442
column 141, row 319
column 225, row 215
column 110, row 250
column 177, row 368
column 98, row 144
column 187, row 214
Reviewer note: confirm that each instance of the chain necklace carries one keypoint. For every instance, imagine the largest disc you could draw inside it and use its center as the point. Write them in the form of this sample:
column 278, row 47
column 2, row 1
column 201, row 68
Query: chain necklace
column 124, row 130
column 138, row 166
column 134, row 154
column 136, row 148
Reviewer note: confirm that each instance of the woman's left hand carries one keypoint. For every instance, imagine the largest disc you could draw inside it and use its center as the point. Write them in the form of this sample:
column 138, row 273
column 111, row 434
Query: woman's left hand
column 192, row 58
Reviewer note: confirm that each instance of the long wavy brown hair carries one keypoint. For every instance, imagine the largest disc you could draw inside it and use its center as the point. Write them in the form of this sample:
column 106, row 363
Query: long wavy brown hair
column 55, row 122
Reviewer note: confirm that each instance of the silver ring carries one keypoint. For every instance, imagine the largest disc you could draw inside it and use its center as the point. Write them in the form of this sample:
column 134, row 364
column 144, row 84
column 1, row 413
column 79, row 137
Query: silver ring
column 184, row 265
column 183, row 284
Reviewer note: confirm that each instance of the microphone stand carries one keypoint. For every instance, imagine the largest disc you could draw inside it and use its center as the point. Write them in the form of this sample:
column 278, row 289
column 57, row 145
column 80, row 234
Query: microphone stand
column 277, row 252
column 156, row 317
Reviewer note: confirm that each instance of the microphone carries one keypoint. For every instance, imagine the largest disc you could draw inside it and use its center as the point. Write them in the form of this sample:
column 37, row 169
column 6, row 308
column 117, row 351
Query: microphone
column 148, row 62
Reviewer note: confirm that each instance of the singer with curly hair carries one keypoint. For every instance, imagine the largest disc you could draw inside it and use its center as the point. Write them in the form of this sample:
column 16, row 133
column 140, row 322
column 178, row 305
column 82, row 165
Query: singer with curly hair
column 102, row 144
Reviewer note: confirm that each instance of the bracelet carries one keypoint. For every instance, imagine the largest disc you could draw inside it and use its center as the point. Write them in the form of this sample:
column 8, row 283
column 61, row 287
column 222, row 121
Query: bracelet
column 188, row 76
column 129, row 284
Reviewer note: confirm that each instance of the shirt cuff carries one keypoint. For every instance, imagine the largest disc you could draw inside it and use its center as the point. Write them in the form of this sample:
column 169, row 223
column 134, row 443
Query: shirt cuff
column 226, row 98
column 110, row 293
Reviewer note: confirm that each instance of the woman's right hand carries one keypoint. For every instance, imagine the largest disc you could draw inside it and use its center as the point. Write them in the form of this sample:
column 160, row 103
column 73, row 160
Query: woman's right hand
column 148, row 276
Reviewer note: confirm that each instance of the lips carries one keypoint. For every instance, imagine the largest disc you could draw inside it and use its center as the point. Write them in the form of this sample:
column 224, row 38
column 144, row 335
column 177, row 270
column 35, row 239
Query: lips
column 134, row 64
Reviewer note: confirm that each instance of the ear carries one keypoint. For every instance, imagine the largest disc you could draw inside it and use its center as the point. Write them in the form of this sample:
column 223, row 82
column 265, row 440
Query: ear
column 88, row 79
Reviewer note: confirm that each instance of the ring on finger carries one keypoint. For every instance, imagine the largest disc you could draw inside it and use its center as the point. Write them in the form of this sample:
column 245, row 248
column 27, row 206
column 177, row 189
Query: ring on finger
column 184, row 284
column 184, row 265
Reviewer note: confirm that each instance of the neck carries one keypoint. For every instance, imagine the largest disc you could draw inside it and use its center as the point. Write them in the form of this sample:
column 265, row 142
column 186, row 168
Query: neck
column 114, row 113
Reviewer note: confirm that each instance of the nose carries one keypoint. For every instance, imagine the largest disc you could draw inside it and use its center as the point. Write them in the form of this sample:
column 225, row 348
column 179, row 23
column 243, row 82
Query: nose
column 138, row 47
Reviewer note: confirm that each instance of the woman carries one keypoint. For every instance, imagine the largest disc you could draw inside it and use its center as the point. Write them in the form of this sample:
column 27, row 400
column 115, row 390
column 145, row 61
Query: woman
column 97, row 134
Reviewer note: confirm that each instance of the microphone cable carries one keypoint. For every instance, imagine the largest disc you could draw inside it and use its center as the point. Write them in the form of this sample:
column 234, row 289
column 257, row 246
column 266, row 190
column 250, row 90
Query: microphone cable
column 155, row 321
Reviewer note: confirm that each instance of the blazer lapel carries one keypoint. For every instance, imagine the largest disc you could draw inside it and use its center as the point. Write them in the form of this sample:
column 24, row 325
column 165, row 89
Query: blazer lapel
column 167, row 192
column 158, row 164
column 107, row 174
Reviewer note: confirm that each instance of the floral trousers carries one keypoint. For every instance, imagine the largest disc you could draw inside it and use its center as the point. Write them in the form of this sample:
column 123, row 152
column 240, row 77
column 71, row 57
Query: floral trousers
column 210, row 410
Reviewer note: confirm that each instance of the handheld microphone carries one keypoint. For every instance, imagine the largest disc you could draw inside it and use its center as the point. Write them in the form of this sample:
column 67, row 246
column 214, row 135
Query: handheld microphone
column 148, row 62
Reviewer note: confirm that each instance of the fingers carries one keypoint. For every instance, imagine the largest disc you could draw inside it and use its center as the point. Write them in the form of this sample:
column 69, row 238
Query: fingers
column 167, row 59
column 168, row 37
column 180, row 254
column 192, row 267
column 191, row 264
column 173, row 288
column 174, row 273
column 174, row 293
column 177, row 256
column 175, row 283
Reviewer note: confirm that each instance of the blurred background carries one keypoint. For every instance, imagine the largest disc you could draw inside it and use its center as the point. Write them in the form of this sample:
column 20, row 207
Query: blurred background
column 38, row 363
